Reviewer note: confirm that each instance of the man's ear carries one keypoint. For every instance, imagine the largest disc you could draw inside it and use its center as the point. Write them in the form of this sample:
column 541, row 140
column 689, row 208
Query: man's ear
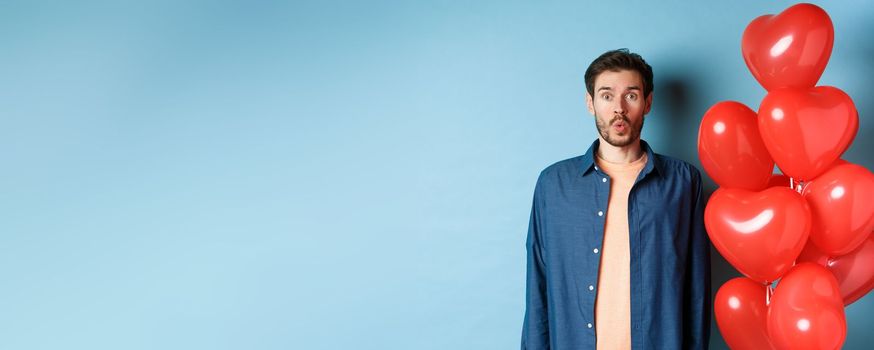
column 589, row 103
column 648, row 104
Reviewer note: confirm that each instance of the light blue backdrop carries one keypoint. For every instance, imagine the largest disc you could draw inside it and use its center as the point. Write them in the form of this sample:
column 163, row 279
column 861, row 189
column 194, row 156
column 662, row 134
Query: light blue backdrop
column 325, row 174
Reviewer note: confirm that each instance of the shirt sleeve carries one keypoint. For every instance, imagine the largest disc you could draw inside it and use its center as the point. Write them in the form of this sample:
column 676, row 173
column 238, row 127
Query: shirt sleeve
column 535, row 328
column 697, row 283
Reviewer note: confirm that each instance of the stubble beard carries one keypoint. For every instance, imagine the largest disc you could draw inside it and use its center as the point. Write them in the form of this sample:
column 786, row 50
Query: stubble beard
column 620, row 141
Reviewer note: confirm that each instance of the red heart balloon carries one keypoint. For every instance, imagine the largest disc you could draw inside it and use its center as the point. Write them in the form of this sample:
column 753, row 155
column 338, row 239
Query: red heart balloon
column 730, row 148
column 741, row 314
column 806, row 311
column 789, row 50
column 806, row 130
column 854, row 271
column 841, row 208
column 759, row 233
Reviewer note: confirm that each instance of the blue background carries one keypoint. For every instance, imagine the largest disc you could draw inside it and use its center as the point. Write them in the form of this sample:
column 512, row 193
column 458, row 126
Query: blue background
column 326, row 174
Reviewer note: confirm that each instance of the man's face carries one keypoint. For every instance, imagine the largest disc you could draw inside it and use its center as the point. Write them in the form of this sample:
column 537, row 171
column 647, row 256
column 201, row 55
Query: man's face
column 619, row 106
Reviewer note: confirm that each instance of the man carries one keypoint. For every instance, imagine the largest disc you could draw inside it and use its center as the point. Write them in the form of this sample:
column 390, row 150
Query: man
column 617, row 253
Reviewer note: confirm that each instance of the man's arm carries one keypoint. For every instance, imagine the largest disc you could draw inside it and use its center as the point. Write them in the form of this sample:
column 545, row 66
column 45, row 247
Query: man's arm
column 696, row 321
column 535, row 328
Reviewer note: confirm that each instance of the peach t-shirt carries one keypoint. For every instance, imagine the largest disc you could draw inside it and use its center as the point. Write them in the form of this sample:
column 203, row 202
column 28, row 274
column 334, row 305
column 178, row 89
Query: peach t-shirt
column 613, row 303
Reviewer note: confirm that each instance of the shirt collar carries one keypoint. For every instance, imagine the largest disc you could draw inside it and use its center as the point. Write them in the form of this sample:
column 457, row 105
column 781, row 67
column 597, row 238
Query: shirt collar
column 652, row 164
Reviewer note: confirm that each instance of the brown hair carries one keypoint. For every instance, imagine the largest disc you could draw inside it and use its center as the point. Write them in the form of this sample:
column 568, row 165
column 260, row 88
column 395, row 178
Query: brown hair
column 616, row 60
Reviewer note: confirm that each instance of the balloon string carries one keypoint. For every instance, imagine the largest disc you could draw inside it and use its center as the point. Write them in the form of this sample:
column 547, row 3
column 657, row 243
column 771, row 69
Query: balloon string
column 796, row 185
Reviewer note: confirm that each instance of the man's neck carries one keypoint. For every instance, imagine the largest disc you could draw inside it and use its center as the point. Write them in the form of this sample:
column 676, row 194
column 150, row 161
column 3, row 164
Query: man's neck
column 619, row 155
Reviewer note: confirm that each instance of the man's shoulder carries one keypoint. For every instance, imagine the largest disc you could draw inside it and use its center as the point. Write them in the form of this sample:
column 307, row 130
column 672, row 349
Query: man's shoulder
column 561, row 169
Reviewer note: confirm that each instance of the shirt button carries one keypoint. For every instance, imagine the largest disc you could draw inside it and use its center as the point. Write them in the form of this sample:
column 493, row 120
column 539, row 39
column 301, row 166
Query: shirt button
column 591, row 287
column 603, row 179
column 595, row 250
column 590, row 325
column 600, row 213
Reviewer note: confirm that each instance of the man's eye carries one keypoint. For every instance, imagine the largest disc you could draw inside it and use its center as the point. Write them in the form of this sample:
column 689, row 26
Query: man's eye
column 632, row 97
column 606, row 97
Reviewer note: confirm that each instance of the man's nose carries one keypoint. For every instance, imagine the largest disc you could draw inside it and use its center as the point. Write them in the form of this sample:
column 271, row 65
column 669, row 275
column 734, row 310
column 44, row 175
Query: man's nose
column 619, row 107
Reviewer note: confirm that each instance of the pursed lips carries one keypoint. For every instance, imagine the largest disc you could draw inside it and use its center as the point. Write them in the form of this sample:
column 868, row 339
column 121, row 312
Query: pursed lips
column 619, row 122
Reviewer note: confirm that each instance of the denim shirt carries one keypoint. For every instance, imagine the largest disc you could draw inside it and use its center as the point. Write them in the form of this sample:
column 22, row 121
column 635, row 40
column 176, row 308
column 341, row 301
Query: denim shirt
column 670, row 255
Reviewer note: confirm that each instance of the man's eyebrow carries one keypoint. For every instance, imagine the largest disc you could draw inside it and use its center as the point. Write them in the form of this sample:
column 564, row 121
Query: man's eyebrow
column 633, row 87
